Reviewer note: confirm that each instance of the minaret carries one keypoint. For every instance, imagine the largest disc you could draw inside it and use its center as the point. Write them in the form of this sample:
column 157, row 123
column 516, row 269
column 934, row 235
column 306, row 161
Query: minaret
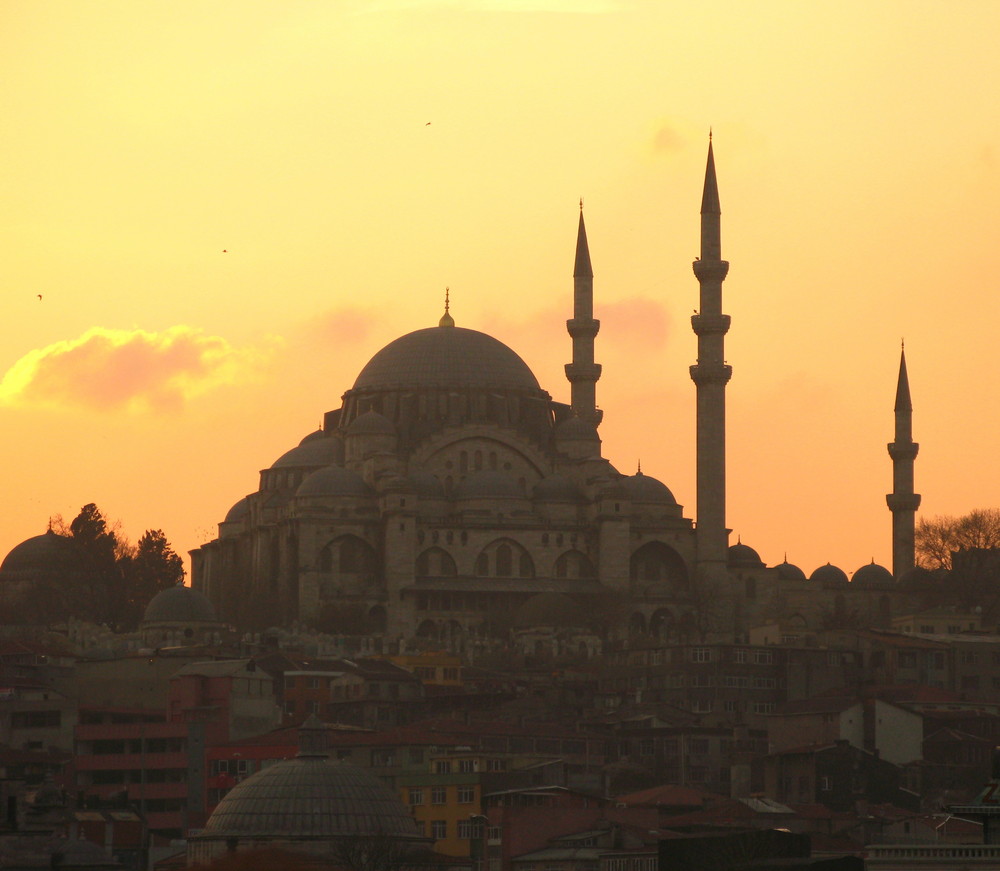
column 583, row 372
column 902, row 501
column 711, row 374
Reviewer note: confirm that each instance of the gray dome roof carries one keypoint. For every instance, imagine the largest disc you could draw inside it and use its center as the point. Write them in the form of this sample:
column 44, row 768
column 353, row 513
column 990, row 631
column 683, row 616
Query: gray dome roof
column 42, row 555
column 179, row 604
column 334, row 481
column 427, row 485
column 743, row 555
column 487, row 485
column 447, row 357
column 829, row 576
column 789, row 572
column 311, row 451
column 873, row 576
column 310, row 797
column 574, row 429
column 643, row 488
column 238, row 511
column 557, row 488
column 371, row 423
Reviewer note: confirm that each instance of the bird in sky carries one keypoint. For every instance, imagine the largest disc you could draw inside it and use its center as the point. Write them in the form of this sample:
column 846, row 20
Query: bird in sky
column 39, row 297
column 428, row 124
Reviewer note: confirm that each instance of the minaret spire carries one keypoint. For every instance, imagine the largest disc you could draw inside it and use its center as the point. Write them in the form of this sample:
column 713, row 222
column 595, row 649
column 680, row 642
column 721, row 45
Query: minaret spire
column 902, row 501
column 711, row 374
column 583, row 372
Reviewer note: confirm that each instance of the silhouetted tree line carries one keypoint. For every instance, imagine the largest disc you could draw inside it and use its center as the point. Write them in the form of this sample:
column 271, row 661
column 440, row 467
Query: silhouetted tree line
column 115, row 579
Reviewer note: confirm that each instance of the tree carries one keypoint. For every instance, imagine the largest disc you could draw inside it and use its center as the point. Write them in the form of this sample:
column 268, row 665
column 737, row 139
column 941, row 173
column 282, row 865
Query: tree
column 937, row 538
column 118, row 580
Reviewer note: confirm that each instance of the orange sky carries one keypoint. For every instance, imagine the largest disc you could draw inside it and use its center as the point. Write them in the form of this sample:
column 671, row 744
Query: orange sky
column 857, row 153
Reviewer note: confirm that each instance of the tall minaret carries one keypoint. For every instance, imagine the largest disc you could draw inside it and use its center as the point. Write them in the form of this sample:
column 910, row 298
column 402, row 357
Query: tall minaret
column 710, row 375
column 583, row 372
column 902, row 501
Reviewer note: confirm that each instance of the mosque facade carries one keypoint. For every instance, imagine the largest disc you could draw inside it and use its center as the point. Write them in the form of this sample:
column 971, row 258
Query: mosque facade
column 451, row 497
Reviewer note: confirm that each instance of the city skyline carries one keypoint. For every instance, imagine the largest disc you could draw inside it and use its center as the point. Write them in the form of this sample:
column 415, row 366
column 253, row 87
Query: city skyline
column 215, row 214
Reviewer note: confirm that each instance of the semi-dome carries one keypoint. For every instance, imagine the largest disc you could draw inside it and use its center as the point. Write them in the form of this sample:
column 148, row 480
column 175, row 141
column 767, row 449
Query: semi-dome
column 557, row 488
column 446, row 356
column 741, row 554
column 371, row 423
column 310, row 797
column 41, row 555
column 789, row 572
column 240, row 510
column 334, row 481
column 873, row 576
column 310, row 451
column 179, row 604
column 644, row 488
column 829, row 576
column 489, row 485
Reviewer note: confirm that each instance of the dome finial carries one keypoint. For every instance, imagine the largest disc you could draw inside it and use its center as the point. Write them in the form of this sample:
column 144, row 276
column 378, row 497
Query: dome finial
column 638, row 467
column 446, row 319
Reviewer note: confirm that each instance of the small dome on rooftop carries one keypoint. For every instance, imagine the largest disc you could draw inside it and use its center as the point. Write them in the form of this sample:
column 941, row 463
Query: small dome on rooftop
column 873, row 576
column 240, row 510
column 789, row 572
column 743, row 555
column 829, row 576
column 645, row 488
column 46, row 555
column 371, row 423
column 179, row 604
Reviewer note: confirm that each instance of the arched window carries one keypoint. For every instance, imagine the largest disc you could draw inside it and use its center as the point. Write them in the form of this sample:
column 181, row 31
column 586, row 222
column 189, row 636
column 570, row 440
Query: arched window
column 574, row 564
column 658, row 564
column 503, row 561
column 436, row 563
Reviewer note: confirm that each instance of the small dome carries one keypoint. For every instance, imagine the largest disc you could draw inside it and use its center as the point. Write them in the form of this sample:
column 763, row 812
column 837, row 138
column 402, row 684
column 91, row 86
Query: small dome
column 371, row 423
column 643, row 488
column 47, row 554
column 334, row 481
column 179, row 604
column 310, row 797
column 427, row 485
column 574, row 429
column 489, row 485
column 788, row 572
column 557, row 488
column 829, row 576
column 240, row 510
column 873, row 577
column 743, row 555
column 310, row 452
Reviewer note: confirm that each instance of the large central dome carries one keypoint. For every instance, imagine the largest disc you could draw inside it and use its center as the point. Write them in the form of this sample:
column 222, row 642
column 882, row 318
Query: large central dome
column 446, row 357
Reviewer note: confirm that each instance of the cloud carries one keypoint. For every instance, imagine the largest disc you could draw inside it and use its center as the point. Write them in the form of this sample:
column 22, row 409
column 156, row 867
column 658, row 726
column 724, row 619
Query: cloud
column 666, row 139
column 133, row 370
column 635, row 321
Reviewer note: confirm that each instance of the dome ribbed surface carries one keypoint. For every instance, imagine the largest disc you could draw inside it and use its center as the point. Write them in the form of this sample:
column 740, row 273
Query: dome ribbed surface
column 311, row 797
column 179, row 605
column 790, row 572
column 46, row 554
column 447, row 357
column 829, row 576
column 744, row 555
column 873, row 576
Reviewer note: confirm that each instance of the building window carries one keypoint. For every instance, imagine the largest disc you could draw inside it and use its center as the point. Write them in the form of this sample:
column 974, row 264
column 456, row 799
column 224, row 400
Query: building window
column 416, row 796
column 439, row 829
column 701, row 654
column 763, row 657
column 466, row 794
column 467, row 766
column 467, row 829
column 740, row 655
column 763, row 707
column 442, row 766
column 438, row 795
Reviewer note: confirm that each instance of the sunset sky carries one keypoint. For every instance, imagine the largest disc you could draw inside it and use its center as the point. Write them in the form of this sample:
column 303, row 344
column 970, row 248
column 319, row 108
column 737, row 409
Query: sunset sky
column 228, row 206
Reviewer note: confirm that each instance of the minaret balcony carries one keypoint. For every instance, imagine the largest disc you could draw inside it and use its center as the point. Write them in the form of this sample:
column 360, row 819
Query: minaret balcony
column 582, row 372
column 710, row 325
column 711, row 270
column 583, row 328
column 903, row 501
column 708, row 373
column 903, row 450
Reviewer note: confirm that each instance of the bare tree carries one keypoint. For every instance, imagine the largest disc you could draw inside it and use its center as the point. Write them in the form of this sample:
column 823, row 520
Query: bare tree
column 937, row 538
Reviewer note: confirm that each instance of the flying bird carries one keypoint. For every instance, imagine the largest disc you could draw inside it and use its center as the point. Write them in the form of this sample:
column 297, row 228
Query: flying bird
column 428, row 124
column 39, row 297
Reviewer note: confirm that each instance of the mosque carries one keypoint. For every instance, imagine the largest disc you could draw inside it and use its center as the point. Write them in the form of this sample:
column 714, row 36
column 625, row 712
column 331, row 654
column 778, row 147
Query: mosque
column 450, row 497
